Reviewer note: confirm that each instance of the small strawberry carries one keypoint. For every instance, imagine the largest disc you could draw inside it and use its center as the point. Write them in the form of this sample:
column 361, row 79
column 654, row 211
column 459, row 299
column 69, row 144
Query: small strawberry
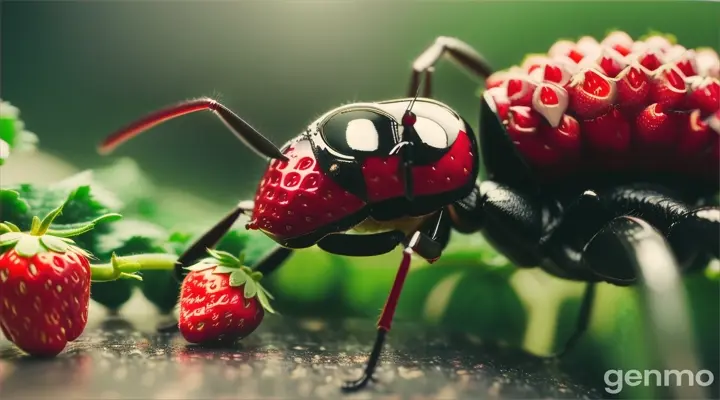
column 221, row 300
column 633, row 88
column 45, row 284
column 704, row 95
column 668, row 87
column 591, row 94
column 609, row 133
column 656, row 127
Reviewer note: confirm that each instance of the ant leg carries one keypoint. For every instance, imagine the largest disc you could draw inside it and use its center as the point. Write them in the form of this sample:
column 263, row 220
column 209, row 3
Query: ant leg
column 629, row 247
column 457, row 51
column 210, row 238
column 510, row 220
column 582, row 322
column 695, row 237
column 361, row 245
column 426, row 245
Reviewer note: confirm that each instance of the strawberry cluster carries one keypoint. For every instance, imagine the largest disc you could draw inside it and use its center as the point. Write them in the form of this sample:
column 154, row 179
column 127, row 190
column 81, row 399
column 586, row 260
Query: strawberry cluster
column 619, row 103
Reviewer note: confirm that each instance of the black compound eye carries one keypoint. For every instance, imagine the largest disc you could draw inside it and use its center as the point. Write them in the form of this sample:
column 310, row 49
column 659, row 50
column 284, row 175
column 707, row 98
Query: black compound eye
column 360, row 131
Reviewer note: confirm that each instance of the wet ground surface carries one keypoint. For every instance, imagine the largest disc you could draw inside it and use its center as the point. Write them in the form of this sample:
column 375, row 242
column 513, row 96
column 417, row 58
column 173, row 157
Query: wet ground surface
column 283, row 359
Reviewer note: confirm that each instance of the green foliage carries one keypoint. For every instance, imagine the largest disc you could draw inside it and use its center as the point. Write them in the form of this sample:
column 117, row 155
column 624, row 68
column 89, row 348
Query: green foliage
column 13, row 136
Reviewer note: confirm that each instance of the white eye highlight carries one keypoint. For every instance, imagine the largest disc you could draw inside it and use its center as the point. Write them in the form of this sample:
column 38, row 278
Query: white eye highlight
column 431, row 133
column 361, row 135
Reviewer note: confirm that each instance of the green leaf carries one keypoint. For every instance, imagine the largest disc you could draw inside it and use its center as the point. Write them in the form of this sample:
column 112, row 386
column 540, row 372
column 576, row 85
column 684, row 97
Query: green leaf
column 9, row 238
column 13, row 227
column 133, row 276
column 28, row 246
column 48, row 220
column 35, row 224
column 238, row 278
column 223, row 269
column 132, row 236
column 12, row 207
column 265, row 292
column 54, row 243
column 224, row 257
column 201, row 266
column 250, row 288
column 20, row 203
column 264, row 302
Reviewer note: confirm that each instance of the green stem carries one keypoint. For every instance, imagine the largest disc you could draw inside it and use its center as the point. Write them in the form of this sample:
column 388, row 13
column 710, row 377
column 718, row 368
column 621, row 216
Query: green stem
column 126, row 267
column 82, row 228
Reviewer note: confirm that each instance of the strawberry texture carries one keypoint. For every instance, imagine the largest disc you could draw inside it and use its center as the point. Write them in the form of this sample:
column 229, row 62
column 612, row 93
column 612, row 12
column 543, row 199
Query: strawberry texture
column 44, row 300
column 295, row 198
column 213, row 310
column 613, row 102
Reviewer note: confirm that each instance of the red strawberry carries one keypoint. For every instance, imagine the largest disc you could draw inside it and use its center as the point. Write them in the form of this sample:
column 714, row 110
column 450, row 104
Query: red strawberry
column 704, row 95
column 551, row 71
column 707, row 62
column 695, row 135
column 638, row 103
column 618, row 41
column 668, row 87
column 522, row 121
column 656, row 127
column 591, row 94
column 502, row 103
column 550, row 101
column 520, row 90
column 565, row 137
column 609, row 133
column 632, row 88
column 45, row 285
column 650, row 61
column 499, row 78
column 221, row 300
column 611, row 62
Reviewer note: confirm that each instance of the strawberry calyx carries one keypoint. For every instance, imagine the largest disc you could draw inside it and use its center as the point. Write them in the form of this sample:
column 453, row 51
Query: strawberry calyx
column 223, row 262
column 41, row 238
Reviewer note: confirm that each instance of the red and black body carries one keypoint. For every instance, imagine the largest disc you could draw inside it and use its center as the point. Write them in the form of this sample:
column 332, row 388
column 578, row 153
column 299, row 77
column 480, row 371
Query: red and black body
column 367, row 177
column 342, row 174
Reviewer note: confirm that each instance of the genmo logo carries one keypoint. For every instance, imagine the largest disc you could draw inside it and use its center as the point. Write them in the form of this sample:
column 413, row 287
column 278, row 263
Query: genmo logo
column 616, row 379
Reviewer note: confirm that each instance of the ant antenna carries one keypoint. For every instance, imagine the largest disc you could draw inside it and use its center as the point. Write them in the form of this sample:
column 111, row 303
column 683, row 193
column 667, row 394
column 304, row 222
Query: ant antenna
column 242, row 130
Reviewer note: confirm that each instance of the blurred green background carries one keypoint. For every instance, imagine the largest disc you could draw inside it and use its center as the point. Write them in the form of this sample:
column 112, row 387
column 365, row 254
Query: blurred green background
column 83, row 69
column 79, row 70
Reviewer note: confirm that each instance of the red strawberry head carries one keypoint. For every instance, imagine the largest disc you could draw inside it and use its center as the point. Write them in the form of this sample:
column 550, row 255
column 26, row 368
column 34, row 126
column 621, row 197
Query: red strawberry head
column 591, row 93
column 619, row 41
column 45, row 284
column 703, row 95
column 707, row 62
column 221, row 300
